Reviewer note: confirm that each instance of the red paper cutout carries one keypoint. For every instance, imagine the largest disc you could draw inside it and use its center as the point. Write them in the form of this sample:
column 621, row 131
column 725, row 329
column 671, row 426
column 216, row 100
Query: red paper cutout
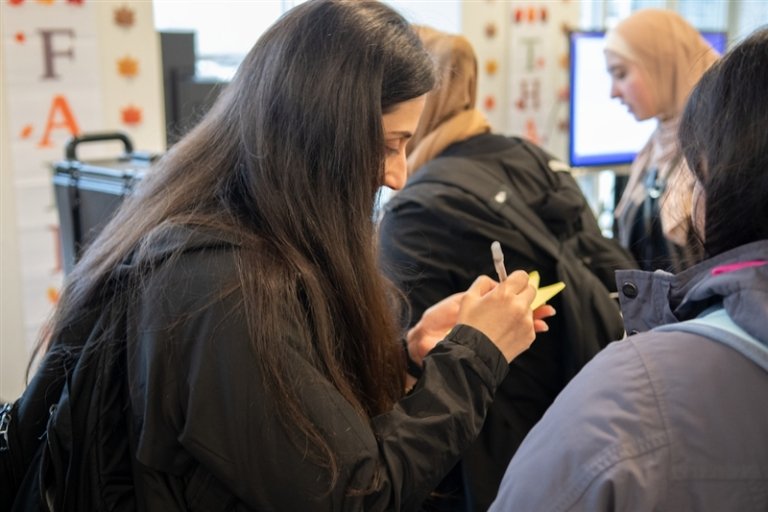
column 15, row 2
column 489, row 103
column 131, row 115
column 20, row 37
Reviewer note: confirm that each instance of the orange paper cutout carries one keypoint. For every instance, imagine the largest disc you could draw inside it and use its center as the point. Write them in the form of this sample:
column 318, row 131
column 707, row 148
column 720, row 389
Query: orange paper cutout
column 128, row 67
column 53, row 295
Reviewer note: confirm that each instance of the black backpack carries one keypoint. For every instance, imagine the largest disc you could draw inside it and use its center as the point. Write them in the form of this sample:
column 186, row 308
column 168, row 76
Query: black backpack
column 585, row 260
column 58, row 453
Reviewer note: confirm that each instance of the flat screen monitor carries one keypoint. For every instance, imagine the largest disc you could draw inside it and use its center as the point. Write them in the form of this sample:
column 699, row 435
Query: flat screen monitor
column 602, row 131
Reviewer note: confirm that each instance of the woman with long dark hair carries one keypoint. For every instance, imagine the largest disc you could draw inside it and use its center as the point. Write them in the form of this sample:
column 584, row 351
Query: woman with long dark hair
column 237, row 296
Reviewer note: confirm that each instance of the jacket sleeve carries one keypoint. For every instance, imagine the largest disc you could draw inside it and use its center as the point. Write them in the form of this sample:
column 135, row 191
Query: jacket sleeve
column 601, row 446
column 210, row 399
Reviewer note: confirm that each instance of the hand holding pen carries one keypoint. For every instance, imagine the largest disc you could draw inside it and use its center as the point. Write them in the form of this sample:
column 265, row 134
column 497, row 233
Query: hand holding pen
column 501, row 311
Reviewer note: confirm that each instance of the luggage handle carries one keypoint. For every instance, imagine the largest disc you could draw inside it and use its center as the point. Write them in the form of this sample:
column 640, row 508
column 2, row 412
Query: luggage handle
column 70, row 149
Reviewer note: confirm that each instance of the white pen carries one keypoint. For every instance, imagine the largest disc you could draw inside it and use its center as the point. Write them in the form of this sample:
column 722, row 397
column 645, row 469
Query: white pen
column 498, row 260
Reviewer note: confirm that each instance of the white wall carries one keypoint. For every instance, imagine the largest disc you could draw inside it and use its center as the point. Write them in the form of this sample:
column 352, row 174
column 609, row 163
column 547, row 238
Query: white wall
column 13, row 349
column 86, row 50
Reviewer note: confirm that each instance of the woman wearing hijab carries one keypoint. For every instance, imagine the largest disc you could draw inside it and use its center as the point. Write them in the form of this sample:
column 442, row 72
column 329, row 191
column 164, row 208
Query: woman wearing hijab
column 655, row 58
column 435, row 237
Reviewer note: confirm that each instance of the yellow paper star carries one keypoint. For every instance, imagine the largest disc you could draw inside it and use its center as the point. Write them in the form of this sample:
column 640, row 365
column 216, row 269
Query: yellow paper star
column 544, row 293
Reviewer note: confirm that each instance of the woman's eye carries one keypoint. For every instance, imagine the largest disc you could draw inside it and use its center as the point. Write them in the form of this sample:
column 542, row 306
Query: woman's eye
column 391, row 151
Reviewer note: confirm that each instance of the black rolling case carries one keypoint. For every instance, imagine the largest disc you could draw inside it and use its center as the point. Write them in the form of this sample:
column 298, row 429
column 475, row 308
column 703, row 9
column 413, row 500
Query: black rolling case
column 88, row 193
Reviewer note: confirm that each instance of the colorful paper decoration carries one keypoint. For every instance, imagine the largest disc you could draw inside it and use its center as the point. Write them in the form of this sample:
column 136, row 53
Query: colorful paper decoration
column 53, row 294
column 20, row 37
column 530, row 94
column 490, row 30
column 128, row 67
column 491, row 66
column 75, row 2
column 530, row 15
column 489, row 103
column 131, row 115
column 532, row 131
column 45, row 2
column 124, row 17
column 26, row 132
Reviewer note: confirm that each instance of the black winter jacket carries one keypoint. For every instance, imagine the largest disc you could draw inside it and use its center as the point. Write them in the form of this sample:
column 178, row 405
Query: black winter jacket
column 435, row 241
column 205, row 426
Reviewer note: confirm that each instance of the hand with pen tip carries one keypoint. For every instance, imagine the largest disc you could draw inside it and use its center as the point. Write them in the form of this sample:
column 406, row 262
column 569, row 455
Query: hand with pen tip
column 500, row 310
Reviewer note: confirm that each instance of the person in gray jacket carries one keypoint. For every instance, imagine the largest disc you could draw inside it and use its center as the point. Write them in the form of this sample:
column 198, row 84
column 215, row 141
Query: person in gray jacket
column 675, row 417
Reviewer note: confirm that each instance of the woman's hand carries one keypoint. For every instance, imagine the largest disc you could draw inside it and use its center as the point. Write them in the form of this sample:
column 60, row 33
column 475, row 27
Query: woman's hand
column 433, row 326
column 440, row 318
column 502, row 311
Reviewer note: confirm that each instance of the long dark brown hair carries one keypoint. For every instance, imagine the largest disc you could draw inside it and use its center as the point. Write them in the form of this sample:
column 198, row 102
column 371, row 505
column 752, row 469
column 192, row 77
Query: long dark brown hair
column 288, row 162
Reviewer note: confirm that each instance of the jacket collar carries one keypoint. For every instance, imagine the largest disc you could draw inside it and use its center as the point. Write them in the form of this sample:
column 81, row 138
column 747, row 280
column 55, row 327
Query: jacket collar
column 650, row 299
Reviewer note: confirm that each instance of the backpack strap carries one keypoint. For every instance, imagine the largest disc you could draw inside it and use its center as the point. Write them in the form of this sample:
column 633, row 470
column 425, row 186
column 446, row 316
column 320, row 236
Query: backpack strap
column 492, row 190
column 715, row 324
